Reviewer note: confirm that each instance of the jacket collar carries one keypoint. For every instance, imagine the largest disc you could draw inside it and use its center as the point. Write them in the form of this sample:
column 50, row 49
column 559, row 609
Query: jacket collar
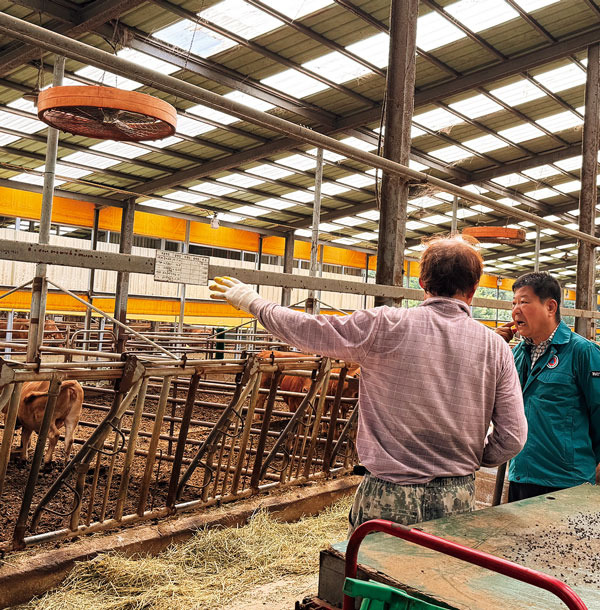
column 447, row 303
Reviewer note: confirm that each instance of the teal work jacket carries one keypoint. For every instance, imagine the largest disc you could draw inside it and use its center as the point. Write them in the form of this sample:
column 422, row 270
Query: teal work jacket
column 562, row 405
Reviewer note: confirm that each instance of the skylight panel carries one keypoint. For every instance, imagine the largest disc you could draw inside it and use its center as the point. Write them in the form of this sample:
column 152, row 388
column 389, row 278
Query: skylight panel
column 542, row 193
column 294, row 83
column 120, row 149
column 509, row 180
column 20, row 123
column 191, row 127
column 412, row 225
column 465, row 213
column 241, row 18
column 166, row 141
column 192, row 37
column 34, row 179
column 6, row 139
column 541, row 172
column 204, row 112
column 485, row 143
column 419, row 167
column 450, row 154
column 327, row 154
column 360, row 144
column 187, row 197
column 521, row 133
column 415, row 132
column 331, row 188
column 66, row 171
column 212, row 189
column 533, row 5
column 569, row 164
column 303, row 232
column 240, row 180
column 568, row 187
column 424, row 202
column 483, row 14
column 437, row 219
column 298, row 162
column 143, row 59
column 93, row 161
column 299, row 196
column 247, row 100
column 336, row 67
column 508, row 201
column 249, row 210
column 357, row 180
column 562, row 78
column 374, row 49
column 228, row 217
column 560, row 121
column 370, row 215
column 346, row 241
column 23, row 104
column 327, row 227
column 437, row 119
column 366, row 235
column 108, row 79
column 350, row 221
column 276, row 204
column 518, row 93
column 476, row 106
column 297, row 10
column 269, row 171
column 434, row 31
column 161, row 205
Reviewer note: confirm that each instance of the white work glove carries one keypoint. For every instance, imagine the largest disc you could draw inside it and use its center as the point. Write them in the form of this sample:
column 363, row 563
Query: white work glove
column 233, row 291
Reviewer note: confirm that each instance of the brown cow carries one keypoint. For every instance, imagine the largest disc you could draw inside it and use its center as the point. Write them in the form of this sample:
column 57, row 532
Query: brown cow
column 293, row 383
column 67, row 412
column 20, row 329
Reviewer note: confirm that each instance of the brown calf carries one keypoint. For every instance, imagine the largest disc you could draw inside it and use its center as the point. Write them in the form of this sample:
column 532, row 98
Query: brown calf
column 67, row 412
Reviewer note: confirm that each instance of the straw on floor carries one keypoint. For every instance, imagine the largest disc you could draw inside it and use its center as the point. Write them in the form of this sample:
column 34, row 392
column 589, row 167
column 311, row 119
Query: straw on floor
column 213, row 568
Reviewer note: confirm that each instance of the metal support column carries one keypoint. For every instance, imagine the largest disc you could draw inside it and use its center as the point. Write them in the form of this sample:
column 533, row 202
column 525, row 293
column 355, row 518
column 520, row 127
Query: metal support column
column 538, row 241
column 399, row 104
column 39, row 288
column 186, row 249
column 92, row 277
column 367, row 259
column 454, row 225
column 288, row 267
column 586, row 263
column 122, row 288
column 311, row 304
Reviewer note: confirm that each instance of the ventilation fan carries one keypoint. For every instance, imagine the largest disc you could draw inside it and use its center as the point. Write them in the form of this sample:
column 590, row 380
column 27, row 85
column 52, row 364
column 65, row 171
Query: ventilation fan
column 106, row 113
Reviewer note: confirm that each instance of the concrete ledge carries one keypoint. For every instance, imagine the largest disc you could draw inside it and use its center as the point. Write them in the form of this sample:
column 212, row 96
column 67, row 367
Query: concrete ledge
column 23, row 575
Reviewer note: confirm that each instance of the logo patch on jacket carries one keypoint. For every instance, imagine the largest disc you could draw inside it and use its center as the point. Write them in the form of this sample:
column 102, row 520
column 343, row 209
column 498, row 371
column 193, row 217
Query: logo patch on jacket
column 595, row 373
column 553, row 362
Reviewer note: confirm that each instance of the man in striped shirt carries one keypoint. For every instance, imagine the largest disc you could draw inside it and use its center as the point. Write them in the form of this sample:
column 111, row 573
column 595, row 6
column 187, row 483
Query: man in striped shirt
column 432, row 380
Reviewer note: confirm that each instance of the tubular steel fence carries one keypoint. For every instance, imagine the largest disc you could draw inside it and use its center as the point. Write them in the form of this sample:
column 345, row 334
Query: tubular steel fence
column 161, row 436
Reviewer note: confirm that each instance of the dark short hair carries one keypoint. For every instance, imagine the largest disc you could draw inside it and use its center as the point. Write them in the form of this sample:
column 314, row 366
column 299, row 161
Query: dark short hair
column 450, row 266
column 544, row 286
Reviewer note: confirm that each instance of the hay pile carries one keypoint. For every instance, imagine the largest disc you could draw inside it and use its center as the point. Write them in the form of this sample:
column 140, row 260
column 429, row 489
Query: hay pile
column 210, row 570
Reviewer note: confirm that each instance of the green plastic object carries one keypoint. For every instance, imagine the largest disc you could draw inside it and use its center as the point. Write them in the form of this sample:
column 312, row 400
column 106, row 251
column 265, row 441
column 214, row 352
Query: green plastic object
column 377, row 596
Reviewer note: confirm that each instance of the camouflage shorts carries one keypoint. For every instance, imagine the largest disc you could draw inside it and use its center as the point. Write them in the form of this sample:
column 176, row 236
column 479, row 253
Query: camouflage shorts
column 408, row 504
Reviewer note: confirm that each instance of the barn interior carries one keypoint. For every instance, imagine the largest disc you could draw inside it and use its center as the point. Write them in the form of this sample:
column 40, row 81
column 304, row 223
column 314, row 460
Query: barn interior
column 301, row 163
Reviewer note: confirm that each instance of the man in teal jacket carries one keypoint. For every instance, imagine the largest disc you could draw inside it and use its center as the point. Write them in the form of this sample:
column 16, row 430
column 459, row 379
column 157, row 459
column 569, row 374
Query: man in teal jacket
column 560, row 376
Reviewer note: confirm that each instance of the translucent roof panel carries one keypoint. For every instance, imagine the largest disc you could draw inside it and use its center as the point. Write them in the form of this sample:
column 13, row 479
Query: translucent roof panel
column 297, row 10
column 241, row 18
column 350, row 221
column 193, row 38
column 303, row 232
column 485, row 143
column 165, row 141
column 94, row 161
column 437, row 119
column 541, row 172
column 20, row 123
column 568, row 187
column 412, row 225
column 570, row 164
column 560, row 121
column 336, row 67
column 328, row 227
column 417, row 166
column 374, row 49
column 299, row 196
column 247, row 100
column 228, row 217
column 23, row 104
column 120, row 149
column 360, row 144
column 345, row 241
column 143, row 59
column 214, row 115
column 366, row 235
column 248, row 210
column 370, row 215
column 357, row 180
column 437, row 219
column 330, row 188
column 298, row 162
column 434, row 31
column 518, row 93
column 212, row 189
column 161, row 205
column 276, row 204
column 240, row 180
column 66, row 171
column 521, row 133
column 563, row 78
column 269, row 171
column 483, row 14
column 191, row 127
column 294, row 83
column 415, row 132
column 108, row 79
column 187, row 197
column 327, row 154
column 424, row 202
column 450, row 153
column 509, row 180
column 6, row 139
column 542, row 193
column 476, row 106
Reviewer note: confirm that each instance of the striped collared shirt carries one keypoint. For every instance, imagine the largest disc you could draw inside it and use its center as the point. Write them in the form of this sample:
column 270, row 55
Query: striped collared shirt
column 537, row 351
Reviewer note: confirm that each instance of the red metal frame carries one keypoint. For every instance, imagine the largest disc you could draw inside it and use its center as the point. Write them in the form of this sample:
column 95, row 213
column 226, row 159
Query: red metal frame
column 484, row 560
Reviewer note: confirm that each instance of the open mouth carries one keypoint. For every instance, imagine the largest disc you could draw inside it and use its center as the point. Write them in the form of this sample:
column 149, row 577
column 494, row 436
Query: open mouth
column 520, row 324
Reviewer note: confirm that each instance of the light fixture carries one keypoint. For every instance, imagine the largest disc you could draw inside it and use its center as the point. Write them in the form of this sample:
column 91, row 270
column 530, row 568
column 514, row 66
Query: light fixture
column 214, row 222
